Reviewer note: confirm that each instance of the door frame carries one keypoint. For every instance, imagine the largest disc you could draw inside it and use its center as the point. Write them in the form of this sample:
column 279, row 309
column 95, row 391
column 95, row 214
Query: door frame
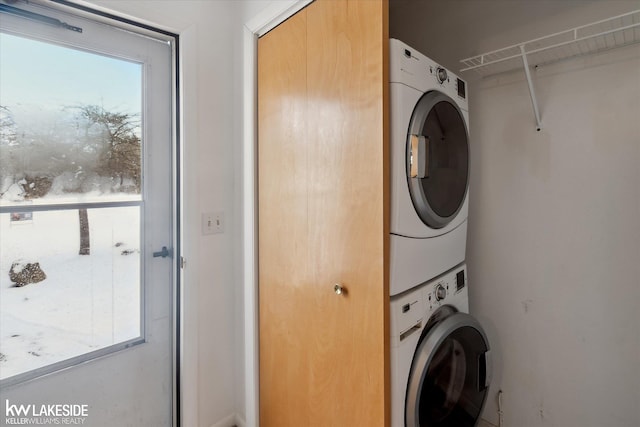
column 263, row 22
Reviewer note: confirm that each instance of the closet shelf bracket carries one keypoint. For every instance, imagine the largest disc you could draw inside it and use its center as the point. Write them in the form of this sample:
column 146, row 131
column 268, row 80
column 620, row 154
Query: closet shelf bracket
column 532, row 92
column 610, row 33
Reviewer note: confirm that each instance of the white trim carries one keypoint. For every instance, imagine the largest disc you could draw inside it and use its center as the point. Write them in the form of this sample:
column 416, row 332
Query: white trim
column 249, row 230
column 266, row 20
column 273, row 15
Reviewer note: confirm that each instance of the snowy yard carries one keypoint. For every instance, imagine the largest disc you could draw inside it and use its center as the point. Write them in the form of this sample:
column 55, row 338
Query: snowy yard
column 86, row 302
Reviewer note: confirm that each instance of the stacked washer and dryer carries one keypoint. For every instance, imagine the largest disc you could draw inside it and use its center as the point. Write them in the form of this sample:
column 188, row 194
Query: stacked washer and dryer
column 440, row 367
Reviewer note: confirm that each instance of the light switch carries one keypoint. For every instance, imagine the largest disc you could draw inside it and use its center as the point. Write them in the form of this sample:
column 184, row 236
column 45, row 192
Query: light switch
column 212, row 223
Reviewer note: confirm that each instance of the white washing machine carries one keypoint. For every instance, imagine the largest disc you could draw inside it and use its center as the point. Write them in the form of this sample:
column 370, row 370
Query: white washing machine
column 429, row 168
column 440, row 359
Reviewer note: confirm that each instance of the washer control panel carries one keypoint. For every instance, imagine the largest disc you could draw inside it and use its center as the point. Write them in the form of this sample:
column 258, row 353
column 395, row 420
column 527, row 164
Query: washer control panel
column 445, row 289
column 441, row 73
column 411, row 309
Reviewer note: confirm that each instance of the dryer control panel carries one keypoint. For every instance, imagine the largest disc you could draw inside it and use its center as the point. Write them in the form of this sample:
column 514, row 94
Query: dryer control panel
column 412, row 68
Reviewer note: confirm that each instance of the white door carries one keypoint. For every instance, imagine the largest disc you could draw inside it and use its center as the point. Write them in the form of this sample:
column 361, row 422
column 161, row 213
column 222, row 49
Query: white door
column 86, row 207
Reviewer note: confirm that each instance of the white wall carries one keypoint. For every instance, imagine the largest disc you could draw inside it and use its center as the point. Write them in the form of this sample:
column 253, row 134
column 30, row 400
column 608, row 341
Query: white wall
column 554, row 241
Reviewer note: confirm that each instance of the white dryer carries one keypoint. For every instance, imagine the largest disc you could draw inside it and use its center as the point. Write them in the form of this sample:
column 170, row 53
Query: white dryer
column 429, row 168
column 440, row 359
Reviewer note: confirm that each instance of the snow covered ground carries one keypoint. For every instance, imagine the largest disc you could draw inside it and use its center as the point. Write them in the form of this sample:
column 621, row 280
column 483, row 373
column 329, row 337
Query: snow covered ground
column 86, row 302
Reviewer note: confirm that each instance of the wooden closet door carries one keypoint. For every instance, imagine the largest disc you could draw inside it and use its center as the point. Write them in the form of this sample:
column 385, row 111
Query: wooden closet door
column 323, row 203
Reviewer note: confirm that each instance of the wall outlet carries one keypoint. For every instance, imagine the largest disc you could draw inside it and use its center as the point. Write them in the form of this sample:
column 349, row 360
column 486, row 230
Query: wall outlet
column 212, row 223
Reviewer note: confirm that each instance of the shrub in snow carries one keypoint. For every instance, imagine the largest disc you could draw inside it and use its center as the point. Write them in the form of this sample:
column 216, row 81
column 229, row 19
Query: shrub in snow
column 37, row 187
column 22, row 273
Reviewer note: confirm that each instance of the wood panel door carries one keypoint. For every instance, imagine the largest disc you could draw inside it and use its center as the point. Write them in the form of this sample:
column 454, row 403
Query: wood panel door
column 323, row 217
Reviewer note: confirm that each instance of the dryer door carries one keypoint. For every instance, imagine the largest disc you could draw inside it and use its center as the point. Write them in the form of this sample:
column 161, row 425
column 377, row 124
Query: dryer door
column 437, row 159
column 450, row 374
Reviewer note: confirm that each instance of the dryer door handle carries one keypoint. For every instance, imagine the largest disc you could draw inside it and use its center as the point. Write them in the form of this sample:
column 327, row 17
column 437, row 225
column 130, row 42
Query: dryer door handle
column 419, row 160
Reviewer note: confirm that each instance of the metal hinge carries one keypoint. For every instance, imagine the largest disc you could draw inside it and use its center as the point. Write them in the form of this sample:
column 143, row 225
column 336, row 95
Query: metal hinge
column 183, row 263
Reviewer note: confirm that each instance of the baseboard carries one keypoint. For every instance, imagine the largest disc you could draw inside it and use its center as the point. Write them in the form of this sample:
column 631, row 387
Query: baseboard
column 233, row 420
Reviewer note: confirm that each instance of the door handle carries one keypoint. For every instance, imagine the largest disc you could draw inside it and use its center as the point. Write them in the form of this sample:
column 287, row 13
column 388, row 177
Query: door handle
column 339, row 289
column 164, row 253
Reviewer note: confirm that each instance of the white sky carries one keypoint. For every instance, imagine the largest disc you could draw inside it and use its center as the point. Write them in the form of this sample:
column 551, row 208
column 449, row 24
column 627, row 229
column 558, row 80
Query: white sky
column 47, row 76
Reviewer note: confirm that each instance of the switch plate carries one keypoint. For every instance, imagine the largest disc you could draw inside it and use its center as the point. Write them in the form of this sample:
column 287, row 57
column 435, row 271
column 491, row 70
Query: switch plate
column 212, row 223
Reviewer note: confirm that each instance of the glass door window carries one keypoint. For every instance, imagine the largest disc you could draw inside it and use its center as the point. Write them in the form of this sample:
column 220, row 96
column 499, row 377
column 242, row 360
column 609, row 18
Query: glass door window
column 70, row 190
column 437, row 159
column 449, row 376
column 452, row 394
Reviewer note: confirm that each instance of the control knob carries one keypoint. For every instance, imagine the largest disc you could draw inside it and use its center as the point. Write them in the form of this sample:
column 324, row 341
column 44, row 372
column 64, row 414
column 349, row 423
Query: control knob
column 441, row 74
column 441, row 292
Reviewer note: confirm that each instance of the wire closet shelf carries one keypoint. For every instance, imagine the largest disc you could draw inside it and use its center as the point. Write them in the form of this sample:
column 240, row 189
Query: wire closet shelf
column 617, row 31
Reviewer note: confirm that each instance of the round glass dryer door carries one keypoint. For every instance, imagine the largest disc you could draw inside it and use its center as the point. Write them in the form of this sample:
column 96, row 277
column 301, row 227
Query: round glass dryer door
column 437, row 159
column 449, row 376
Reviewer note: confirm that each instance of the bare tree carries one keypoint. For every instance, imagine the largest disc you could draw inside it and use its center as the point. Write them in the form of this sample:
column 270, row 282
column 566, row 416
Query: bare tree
column 123, row 151
column 121, row 157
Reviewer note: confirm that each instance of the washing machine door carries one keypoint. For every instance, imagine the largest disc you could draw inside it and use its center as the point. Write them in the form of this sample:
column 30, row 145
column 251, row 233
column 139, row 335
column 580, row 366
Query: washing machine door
column 450, row 374
column 437, row 159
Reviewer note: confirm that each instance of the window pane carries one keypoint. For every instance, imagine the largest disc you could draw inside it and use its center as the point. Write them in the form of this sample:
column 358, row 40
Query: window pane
column 78, row 303
column 70, row 124
column 70, row 133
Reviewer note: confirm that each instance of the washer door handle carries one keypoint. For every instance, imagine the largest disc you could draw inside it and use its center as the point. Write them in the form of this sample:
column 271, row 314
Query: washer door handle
column 484, row 370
